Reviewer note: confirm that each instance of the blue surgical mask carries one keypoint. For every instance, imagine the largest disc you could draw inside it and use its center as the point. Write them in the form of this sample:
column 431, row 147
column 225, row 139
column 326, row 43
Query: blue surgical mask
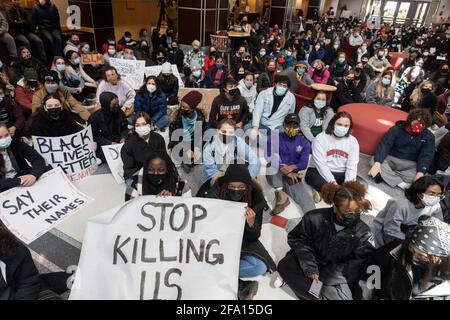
column 300, row 71
column 5, row 142
column 61, row 67
column 341, row 60
column 197, row 73
column 77, row 61
column 51, row 88
column 340, row 131
column 127, row 39
column 319, row 104
column 386, row 82
column 262, row 53
column 280, row 91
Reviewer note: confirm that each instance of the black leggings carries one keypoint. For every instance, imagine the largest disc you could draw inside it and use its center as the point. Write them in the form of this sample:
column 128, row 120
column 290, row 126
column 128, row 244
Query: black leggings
column 315, row 180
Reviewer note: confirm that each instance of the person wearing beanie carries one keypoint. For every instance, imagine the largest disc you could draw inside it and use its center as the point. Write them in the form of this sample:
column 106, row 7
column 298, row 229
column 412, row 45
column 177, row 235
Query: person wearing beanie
column 195, row 54
column 190, row 120
column 51, row 86
column 109, row 124
column 26, row 90
column 414, row 266
column 169, row 84
column 197, row 77
column 237, row 185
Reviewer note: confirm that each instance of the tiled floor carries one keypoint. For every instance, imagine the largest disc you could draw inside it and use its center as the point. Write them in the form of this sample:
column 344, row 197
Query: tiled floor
column 60, row 248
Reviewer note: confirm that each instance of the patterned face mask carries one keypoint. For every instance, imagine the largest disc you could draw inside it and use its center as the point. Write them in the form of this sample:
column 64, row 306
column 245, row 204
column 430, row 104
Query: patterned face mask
column 415, row 128
column 291, row 132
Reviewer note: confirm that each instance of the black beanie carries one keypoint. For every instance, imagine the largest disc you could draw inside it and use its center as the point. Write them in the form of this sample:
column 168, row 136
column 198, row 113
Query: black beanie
column 237, row 173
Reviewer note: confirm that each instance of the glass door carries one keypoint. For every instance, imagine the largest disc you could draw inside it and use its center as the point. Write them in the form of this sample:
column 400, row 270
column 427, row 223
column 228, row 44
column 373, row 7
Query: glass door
column 402, row 13
column 421, row 13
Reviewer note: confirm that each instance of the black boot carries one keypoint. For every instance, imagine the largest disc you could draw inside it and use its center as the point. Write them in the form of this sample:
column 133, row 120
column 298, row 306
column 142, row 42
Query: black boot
column 378, row 179
column 247, row 289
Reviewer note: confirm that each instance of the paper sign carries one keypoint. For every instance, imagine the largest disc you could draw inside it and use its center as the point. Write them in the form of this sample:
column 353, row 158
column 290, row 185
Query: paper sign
column 92, row 58
column 112, row 155
column 131, row 71
column 156, row 70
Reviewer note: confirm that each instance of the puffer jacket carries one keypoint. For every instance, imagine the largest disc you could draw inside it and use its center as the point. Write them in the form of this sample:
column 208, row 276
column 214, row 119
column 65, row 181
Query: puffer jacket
column 155, row 106
column 336, row 256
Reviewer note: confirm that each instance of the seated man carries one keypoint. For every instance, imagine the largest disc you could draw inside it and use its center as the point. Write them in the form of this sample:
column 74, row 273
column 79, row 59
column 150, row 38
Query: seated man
column 406, row 151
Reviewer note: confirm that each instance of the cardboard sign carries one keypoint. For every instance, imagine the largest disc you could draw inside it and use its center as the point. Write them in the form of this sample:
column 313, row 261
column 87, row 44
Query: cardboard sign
column 156, row 70
column 74, row 153
column 131, row 71
column 162, row 248
column 92, row 58
column 112, row 155
column 30, row 212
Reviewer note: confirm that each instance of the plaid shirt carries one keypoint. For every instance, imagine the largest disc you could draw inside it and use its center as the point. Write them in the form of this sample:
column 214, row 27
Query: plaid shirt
column 191, row 55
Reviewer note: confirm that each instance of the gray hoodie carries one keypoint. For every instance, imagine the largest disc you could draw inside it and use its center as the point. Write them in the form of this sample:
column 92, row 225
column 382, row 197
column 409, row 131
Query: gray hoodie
column 308, row 119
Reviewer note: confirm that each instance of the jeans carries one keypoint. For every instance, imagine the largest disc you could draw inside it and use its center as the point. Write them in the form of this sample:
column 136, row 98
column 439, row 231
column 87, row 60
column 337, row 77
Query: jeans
column 162, row 122
column 250, row 266
column 32, row 41
column 8, row 41
column 53, row 42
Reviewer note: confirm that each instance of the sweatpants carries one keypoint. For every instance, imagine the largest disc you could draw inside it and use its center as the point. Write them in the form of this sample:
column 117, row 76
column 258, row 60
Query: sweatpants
column 315, row 180
column 395, row 171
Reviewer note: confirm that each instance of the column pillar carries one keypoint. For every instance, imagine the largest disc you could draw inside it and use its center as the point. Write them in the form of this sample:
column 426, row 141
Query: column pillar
column 197, row 19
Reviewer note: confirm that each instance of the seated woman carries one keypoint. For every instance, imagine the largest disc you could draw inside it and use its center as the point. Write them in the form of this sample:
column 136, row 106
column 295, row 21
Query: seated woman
column 289, row 157
column 169, row 84
column 198, row 78
column 412, row 266
column 318, row 72
column 140, row 144
column 380, row 91
column 406, row 151
column 54, row 121
column 224, row 149
column 10, row 113
column 229, row 105
column 346, row 92
column 266, row 79
column 407, row 83
column 329, row 245
column 247, row 88
column 20, row 164
column 315, row 118
column 109, row 124
column 26, row 90
column 151, row 100
column 237, row 185
column 80, row 84
column 158, row 177
column 316, row 53
column 218, row 72
column 422, row 199
column 335, row 155
column 361, row 78
column 301, row 71
column 92, row 70
column 338, row 68
column 422, row 97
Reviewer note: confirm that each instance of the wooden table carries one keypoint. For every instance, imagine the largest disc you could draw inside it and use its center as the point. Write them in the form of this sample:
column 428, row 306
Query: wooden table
column 323, row 87
column 234, row 35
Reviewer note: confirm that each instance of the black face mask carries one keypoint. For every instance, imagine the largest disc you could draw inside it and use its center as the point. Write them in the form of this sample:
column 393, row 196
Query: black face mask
column 349, row 219
column 232, row 92
column 155, row 179
column 54, row 113
column 349, row 82
column 115, row 110
column 444, row 72
column 162, row 59
column 236, row 195
column 185, row 113
column 425, row 91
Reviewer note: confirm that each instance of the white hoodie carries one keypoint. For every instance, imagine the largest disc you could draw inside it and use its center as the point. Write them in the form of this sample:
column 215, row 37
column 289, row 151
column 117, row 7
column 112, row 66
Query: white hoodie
column 249, row 94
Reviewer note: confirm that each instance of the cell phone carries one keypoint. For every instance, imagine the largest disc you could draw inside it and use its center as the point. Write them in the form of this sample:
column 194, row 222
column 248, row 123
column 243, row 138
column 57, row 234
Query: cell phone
column 315, row 288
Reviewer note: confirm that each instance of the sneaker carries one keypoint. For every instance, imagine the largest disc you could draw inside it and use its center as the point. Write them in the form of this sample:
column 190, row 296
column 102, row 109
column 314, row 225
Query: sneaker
column 316, row 196
column 378, row 179
column 247, row 289
column 281, row 202
column 99, row 161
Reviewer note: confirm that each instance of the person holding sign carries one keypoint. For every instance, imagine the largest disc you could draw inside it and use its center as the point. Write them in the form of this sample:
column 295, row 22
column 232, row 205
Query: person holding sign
column 140, row 144
column 237, row 185
column 20, row 164
column 158, row 177
column 109, row 125
column 329, row 245
column 54, row 121
column 152, row 100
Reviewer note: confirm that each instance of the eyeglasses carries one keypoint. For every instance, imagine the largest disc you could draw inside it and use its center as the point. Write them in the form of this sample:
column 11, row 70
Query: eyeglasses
column 440, row 196
column 156, row 172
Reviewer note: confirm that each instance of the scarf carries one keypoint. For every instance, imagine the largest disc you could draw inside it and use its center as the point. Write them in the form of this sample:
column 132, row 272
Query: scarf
column 189, row 126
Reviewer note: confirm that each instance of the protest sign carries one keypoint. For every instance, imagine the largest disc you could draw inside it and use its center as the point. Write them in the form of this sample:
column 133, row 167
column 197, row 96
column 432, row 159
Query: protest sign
column 156, row 70
column 131, row 71
column 92, row 58
column 74, row 153
column 162, row 248
column 112, row 155
column 30, row 212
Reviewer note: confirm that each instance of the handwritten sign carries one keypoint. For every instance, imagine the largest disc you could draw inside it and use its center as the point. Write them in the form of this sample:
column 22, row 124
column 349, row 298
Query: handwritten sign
column 112, row 155
column 92, row 58
column 131, row 71
column 156, row 70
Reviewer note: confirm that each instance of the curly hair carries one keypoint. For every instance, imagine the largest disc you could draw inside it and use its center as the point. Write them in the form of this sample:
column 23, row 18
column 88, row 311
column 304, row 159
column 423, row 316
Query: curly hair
column 7, row 241
column 423, row 115
column 340, row 195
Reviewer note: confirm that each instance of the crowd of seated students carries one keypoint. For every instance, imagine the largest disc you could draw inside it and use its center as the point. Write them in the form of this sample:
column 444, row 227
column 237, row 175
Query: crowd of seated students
column 213, row 151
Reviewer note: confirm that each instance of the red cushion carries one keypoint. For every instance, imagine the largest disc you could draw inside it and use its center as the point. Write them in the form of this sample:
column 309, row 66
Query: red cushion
column 371, row 122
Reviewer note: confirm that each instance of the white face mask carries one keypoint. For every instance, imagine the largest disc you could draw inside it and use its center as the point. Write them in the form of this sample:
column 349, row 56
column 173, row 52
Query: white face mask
column 151, row 88
column 142, row 131
column 248, row 84
column 430, row 201
column 111, row 52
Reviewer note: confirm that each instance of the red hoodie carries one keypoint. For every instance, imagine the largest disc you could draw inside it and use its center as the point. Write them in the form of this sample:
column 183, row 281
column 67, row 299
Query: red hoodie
column 23, row 97
column 443, row 101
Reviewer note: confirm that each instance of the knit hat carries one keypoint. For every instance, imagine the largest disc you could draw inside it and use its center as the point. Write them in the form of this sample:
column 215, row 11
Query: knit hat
column 237, row 173
column 193, row 98
column 30, row 74
column 195, row 65
column 166, row 68
column 51, row 75
column 432, row 236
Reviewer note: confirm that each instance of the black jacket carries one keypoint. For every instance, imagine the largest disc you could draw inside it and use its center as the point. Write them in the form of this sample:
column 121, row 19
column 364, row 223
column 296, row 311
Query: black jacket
column 250, row 243
column 236, row 109
column 345, row 94
column 43, row 126
column 169, row 85
column 19, row 153
column 135, row 151
column 19, row 65
column 429, row 101
column 320, row 249
column 45, row 17
column 177, row 57
column 18, row 20
column 22, row 277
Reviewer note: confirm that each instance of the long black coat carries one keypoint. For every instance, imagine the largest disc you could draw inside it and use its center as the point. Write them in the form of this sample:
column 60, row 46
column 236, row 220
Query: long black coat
column 42, row 125
column 320, row 249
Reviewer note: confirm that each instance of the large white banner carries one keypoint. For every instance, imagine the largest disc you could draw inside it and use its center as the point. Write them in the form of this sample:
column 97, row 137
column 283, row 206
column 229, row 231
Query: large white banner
column 30, row 212
column 162, row 248
column 114, row 160
column 156, row 70
column 131, row 71
column 74, row 153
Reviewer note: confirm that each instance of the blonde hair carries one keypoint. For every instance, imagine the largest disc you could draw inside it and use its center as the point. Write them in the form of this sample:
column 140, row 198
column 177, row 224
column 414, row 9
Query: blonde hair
column 380, row 89
column 417, row 95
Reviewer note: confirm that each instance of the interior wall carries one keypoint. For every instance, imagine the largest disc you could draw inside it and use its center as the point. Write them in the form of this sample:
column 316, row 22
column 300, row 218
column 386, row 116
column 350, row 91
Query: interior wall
column 60, row 4
column 354, row 6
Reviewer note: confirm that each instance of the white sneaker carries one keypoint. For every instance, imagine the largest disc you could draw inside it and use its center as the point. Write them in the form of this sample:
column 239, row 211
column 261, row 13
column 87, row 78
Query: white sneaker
column 404, row 185
column 99, row 161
